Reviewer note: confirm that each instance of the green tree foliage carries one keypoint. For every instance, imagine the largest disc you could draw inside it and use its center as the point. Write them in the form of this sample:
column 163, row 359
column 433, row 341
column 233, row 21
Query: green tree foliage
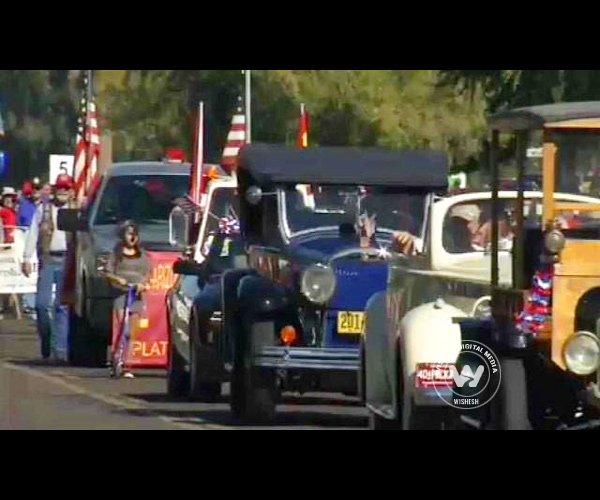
column 396, row 109
column 151, row 110
column 39, row 110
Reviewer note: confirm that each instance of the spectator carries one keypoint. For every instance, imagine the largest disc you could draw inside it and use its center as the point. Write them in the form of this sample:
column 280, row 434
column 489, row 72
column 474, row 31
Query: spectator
column 8, row 214
column 30, row 199
column 27, row 206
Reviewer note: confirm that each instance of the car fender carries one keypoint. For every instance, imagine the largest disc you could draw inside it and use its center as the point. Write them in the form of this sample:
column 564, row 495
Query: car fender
column 429, row 334
column 258, row 295
column 379, row 359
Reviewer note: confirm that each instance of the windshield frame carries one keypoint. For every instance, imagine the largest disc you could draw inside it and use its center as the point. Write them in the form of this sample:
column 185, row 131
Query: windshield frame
column 287, row 233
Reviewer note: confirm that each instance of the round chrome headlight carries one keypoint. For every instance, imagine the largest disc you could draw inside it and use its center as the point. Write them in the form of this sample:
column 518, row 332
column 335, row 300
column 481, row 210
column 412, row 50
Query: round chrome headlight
column 554, row 241
column 318, row 283
column 582, row 353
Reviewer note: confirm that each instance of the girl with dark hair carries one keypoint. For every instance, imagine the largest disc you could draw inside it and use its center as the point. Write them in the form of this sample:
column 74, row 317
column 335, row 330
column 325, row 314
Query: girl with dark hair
column 128, row 265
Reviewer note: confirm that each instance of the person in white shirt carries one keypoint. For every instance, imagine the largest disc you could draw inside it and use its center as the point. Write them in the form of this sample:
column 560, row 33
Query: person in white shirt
column 51, row 247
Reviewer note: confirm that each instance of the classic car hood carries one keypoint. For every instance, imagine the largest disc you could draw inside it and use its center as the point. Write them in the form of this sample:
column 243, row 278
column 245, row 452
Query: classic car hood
column 321, row 246
column 154, row 237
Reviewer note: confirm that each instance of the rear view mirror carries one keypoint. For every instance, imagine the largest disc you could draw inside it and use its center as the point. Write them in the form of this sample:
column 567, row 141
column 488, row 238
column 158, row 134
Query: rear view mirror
column 178, row 227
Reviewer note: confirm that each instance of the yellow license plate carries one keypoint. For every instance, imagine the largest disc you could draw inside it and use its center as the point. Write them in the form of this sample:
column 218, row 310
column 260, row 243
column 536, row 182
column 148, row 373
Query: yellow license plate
column 351, row 323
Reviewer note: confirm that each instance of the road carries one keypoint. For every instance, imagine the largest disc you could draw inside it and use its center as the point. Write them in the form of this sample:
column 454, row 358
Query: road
column 34, row 395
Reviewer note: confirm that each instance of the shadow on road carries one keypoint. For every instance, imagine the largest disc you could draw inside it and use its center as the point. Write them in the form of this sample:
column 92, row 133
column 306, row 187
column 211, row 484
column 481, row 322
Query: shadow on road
column 284, row 419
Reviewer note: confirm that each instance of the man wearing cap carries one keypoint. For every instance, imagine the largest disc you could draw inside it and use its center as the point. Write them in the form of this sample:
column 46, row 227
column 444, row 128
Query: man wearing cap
column 28, row 204
column 30, row 198
column 51, row 246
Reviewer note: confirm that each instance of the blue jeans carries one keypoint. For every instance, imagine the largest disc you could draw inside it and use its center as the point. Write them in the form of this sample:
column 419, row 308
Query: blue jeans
column 29, row 300
column 52, row 317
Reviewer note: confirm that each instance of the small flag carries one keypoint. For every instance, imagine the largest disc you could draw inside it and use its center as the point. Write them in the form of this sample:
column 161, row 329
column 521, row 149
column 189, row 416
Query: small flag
column 303, row 131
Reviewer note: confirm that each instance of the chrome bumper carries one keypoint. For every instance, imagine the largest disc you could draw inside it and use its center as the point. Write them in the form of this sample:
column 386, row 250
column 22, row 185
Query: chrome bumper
column 307, row 358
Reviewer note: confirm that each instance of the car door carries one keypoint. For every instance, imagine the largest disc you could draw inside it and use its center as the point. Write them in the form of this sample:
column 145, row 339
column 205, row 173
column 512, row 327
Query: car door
column 181, row 304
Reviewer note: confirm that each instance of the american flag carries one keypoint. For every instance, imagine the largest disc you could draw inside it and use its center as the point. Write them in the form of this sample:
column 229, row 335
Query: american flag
column 87, row 150
column 235, row 139
column 188, row 205
column 229, row 225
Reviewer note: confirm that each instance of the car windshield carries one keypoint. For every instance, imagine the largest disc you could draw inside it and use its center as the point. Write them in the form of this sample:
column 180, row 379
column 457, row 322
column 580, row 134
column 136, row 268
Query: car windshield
column 146, row 199
column 309, row 207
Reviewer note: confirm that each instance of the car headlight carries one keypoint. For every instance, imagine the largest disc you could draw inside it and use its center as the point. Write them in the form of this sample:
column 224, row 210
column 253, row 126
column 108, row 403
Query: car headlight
column 554, row 241
column 318, row 283
column 582, row 353
column 101, row 261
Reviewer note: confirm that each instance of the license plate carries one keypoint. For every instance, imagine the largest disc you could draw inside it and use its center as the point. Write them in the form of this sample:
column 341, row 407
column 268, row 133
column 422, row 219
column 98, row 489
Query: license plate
column 434, row 376
column 351, row 323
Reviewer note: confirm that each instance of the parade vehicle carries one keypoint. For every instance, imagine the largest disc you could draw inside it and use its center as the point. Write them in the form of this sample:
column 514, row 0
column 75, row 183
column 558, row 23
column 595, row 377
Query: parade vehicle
column 539, row 320
column 448, row 277
column 318, row 225
column 143, row 192
column 546, row 318
column 195, row 298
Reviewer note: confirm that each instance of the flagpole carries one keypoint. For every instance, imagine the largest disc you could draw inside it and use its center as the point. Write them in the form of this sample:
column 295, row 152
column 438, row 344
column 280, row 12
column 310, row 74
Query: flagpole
column 248, row 106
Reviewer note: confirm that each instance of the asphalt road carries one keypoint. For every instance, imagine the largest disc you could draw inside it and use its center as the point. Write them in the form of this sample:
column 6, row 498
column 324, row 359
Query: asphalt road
column 34, row 395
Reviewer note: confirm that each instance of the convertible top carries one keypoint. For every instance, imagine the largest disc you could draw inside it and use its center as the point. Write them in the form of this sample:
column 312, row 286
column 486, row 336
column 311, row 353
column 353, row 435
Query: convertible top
column 278, row 164
column 536, row 117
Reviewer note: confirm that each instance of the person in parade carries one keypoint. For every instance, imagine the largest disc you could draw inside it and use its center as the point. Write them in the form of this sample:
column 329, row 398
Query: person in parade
column 128, row 265
column 50, row 243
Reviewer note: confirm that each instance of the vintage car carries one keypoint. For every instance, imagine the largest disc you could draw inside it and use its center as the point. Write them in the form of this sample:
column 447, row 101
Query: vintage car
column 144, row 192
column 319, row 225
column 196, row 296
column 412, row 322
column 545, row 320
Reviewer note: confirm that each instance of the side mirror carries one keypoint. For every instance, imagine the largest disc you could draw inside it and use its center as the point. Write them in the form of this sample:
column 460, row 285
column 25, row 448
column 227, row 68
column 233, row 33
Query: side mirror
column 253, row 195
column 187, row 268
column 68, row 220
column 178, row 227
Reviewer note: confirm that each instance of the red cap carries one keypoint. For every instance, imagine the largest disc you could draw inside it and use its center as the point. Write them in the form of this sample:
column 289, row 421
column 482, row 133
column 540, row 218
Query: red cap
column 27, row 188
column 64, row 181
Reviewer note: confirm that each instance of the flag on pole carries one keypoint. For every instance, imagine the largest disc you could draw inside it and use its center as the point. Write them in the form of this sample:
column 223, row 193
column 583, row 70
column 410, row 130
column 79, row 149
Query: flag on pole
column 303, row 130
column 236, row 138
column 196, row 192
column 87, row 151
column 2, row 131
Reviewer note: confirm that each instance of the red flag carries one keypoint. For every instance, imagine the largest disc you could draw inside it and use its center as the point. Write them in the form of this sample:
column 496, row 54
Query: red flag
column 303, row 131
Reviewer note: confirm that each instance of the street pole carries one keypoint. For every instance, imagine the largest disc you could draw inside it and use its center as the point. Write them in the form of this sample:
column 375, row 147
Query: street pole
column 247, row 74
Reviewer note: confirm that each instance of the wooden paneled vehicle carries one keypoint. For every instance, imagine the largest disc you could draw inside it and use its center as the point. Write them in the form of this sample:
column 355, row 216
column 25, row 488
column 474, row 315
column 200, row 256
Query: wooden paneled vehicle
column 546, row 321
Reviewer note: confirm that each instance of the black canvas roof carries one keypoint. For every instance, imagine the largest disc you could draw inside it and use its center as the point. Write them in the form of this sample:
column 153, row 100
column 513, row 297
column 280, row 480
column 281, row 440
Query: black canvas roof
column 278, row 164
column 535, row 117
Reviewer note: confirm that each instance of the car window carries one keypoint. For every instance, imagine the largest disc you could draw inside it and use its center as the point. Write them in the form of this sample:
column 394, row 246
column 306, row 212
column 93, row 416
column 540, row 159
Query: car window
column 147, row 199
